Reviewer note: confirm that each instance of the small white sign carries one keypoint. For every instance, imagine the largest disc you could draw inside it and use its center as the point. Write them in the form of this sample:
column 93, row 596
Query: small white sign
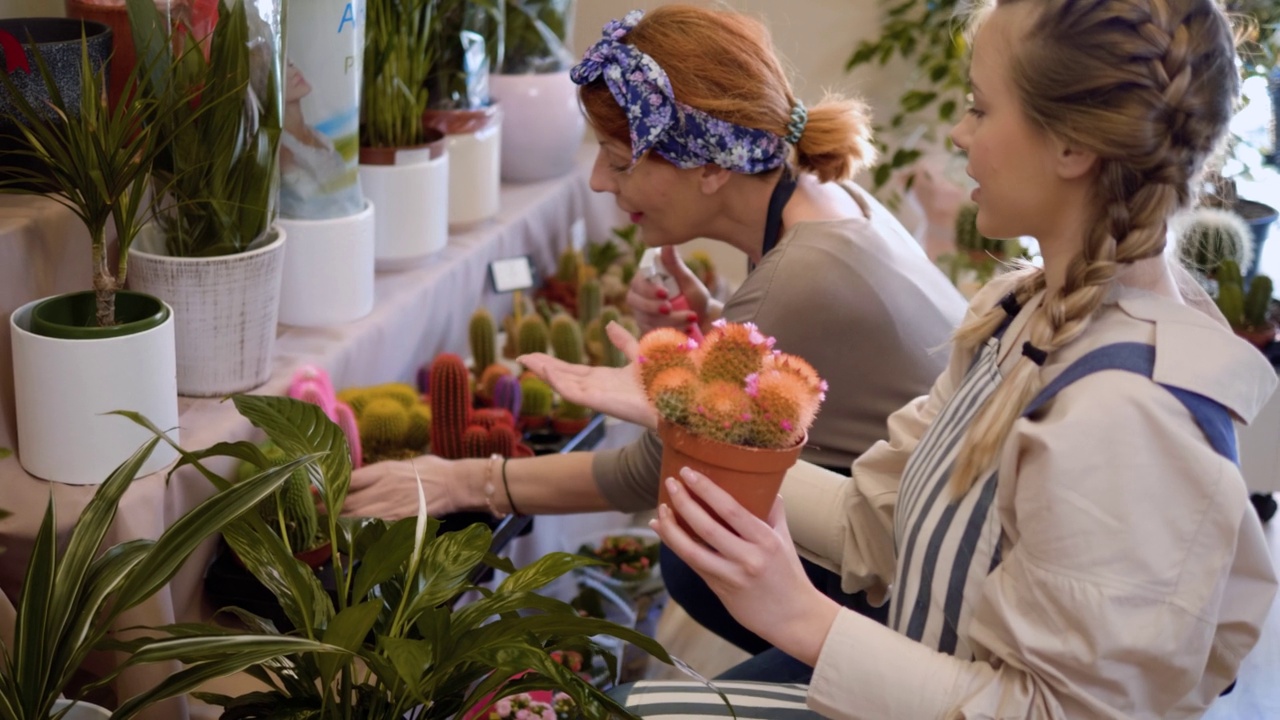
column 511, row 274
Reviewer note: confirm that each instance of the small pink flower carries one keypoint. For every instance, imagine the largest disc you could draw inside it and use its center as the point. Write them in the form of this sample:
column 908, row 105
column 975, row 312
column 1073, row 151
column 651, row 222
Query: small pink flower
column 641, row 359
column 746, row 417
column 719, row 323
column 753, row 384
column 786, row 425
column 503, row 707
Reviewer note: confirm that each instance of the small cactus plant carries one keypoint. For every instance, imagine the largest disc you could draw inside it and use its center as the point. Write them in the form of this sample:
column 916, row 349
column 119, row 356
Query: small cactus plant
column 1211, row 236
column 292, row 503
column 507, row 394
column 484, row 337
column 1246, row 310
column 590, row 299
column 731, row 387
column 613, row 357
column 450, row 405
column 536, row 397
column 566, row 339
column 532, row 334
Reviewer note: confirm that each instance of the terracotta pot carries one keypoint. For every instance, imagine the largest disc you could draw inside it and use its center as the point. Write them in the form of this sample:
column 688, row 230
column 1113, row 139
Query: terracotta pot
column 569, row 427
column 751, row 475
column 432, row 148
column 1260, row 337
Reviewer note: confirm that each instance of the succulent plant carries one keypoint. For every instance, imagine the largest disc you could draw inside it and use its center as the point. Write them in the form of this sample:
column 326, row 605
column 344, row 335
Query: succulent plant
column 566, row 338
column 1211, row 236
column 732, row 387
column 450, row 405
column 532, row 334
column 536, row 397
column 292, row 503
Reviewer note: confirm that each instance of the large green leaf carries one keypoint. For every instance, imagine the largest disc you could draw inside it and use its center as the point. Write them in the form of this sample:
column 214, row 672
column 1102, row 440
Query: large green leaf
column 544, row 570
column 348, row 630
column 384, row 557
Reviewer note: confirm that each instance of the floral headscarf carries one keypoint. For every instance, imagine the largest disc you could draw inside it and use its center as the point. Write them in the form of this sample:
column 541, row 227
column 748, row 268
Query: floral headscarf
column 685, row 136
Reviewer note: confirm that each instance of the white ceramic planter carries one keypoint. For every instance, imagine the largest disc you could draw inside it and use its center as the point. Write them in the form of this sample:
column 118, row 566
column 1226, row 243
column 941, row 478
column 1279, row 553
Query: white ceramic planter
column 81, row 711
column 63, row 387
column 411, row 206
column 225, row 310
column 542, row 125
column 328, row 270
column 474, row 139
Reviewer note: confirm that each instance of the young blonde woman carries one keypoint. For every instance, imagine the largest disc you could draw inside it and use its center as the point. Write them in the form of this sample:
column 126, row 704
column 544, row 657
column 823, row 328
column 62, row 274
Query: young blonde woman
column 1060, row 525
column 701, row 136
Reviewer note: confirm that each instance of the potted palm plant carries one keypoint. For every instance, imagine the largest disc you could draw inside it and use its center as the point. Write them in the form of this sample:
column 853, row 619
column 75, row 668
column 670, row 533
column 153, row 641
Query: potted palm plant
column 413, row 650
column 80, row 355
column 71, row 598
column 403, row 165
column 215, row 253
column 542, row 122
column 468, row 35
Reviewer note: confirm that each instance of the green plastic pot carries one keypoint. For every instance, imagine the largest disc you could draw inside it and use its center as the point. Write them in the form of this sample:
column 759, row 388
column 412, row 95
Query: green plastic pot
column 73, row 316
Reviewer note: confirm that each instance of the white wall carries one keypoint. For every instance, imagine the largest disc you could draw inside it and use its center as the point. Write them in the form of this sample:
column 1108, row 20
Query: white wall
column 32, row 8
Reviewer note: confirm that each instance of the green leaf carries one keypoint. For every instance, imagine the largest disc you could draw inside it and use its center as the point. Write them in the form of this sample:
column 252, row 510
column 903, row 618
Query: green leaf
column 348, row 630
column 5, row 453
column 543, row 571
column 382, row 559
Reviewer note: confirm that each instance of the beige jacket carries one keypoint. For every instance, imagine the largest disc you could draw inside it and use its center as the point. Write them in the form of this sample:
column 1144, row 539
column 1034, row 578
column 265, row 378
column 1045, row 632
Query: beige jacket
column 1135, row 575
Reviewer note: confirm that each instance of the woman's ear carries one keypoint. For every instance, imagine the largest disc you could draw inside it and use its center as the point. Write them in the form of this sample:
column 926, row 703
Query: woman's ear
column 1074, row 162
column 712, row 177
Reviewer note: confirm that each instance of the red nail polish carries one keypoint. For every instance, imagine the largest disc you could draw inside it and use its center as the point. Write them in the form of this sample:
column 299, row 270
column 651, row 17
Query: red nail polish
column 665, row 309
column 693, row 318
column 662, row 294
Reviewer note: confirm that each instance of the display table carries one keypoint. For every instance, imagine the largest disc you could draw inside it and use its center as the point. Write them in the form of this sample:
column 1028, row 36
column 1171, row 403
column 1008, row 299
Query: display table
column 418, row 313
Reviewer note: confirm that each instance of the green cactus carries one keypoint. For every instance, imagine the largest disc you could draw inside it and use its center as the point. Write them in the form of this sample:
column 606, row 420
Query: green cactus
column 566, row 338
column 613, row 357
column 1229, row 272
column 1212, row 236
column 1257, row 304
column 293, row 501
column 383, row 424
column 572, row 411
column 483, row 335
column 589, row 300
column 532, row 335
column 569, row 266
column 450, row 405
column 535, row 398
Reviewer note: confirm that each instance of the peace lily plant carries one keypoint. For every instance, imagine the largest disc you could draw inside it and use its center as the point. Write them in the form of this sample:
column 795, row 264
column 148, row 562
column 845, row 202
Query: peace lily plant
column 411, row 647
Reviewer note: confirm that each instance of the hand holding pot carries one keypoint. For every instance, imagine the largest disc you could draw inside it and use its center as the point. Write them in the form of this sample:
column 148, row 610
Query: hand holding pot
column 749, row 563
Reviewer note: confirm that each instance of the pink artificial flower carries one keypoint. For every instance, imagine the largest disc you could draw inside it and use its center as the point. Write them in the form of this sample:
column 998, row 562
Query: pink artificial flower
column 503, row 707
column 786, row 425
column 753, row 384
column 719, row 323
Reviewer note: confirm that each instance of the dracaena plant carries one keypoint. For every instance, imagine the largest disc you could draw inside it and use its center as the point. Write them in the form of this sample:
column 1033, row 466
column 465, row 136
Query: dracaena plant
column 220, row 173
column 70, row 599
column 414, row 651
column 96, row 161
column 536, row 33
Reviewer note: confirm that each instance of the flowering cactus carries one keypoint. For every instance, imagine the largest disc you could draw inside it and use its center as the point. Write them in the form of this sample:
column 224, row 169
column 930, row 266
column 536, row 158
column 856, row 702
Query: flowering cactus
column 732, row 386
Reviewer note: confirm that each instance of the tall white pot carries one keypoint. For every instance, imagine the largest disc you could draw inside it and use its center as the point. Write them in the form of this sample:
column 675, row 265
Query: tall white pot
column 542, row 124
column 475, row 162
column 81, row 711
column 409, row 190
column 63, row 387
column 225, row 310
column 328, row 269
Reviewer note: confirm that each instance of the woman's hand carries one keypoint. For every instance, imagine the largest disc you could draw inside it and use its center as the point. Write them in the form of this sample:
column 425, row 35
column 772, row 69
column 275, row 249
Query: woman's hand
column 612, row 391
column 388, row 489
column 749, row 563
column 651, row 305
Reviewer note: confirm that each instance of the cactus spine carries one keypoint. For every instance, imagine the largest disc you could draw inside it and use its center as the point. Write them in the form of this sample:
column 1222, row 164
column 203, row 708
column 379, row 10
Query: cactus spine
column 566, row 339
column 450, row 405
column 1212, row 236
column 484, row 337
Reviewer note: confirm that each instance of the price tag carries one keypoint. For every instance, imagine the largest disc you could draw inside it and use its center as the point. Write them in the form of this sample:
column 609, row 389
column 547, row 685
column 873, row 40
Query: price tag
column 511, row 274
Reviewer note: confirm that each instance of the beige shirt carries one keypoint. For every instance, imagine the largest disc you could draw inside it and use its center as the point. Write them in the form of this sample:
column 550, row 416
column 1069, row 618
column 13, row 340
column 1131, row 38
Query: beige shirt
column 1135, row 575
column 859, row 300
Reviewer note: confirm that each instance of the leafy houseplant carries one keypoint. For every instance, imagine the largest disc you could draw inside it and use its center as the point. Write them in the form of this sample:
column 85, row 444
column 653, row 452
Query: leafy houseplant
column 96, row 163
column 730, row 407
column 412, row 653
column 398, row 57
column 70, row 599
column 536, row 32
column 220, row 173
column 468, row 35
column 930, row 35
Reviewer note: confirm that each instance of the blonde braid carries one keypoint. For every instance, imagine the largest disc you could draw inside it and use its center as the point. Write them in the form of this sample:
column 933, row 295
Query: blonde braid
column 1140, row 185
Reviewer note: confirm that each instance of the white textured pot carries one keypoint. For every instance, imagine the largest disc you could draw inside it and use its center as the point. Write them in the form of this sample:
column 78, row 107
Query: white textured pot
column 328, row 269
column 63, row 387
column 474, row 138
column 409, row 189
column 81, row 711
column 224, row 308
column 542, row 124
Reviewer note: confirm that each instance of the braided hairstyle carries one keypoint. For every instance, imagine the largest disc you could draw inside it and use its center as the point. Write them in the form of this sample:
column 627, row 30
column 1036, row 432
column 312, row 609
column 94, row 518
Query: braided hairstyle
column 723, row 63
column 1147, row 85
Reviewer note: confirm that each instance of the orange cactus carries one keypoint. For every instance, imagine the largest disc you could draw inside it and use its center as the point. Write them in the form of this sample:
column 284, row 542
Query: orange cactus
column 732, row 387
